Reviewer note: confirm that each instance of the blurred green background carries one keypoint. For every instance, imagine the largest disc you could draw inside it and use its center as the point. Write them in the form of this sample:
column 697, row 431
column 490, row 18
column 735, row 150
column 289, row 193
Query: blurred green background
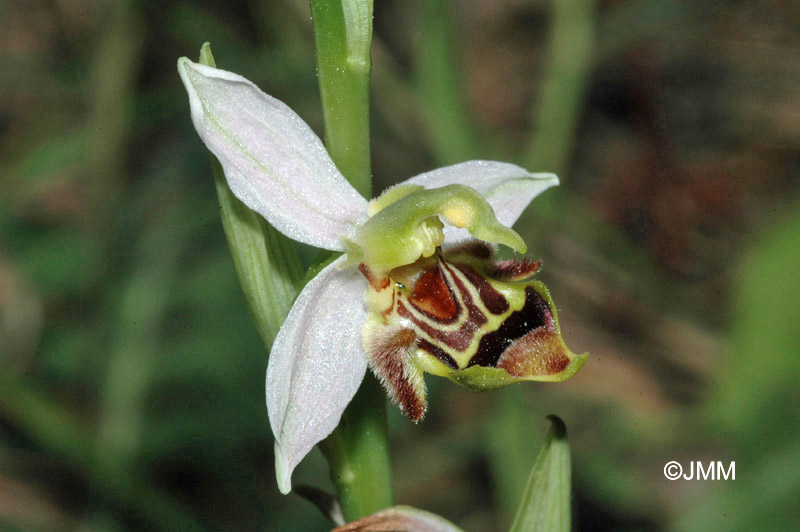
column 131, row 379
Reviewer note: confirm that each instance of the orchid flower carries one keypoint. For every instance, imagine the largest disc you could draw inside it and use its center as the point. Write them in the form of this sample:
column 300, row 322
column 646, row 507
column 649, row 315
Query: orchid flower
column 417, row 289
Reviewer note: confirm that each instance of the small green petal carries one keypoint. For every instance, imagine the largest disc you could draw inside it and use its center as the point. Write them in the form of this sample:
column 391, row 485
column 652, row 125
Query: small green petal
column 391, row 195
column 408, row 227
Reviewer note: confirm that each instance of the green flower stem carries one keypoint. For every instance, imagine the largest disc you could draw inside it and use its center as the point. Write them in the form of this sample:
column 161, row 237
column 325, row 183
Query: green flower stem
column 343, row 36
column 357, row 451
column 358, row 454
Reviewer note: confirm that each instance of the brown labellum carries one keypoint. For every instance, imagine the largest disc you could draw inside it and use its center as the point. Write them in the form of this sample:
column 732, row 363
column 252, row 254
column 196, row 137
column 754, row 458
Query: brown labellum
column 455, row 315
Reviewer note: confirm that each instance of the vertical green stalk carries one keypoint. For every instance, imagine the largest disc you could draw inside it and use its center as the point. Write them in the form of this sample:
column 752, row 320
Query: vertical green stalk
column 357, row 451
column 343, row 36
column 358, row 454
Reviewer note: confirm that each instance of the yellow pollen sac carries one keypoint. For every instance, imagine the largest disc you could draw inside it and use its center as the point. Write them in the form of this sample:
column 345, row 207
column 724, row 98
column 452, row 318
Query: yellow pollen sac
column 458, row 215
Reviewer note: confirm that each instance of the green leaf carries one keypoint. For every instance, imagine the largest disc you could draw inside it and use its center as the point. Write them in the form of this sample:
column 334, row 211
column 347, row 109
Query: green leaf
column 266, row 262
column 545, row 505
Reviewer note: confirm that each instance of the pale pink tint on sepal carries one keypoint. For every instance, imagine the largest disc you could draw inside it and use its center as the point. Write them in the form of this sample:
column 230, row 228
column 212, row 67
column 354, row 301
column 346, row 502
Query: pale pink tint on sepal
column 507, row 187
column 274, row 163
column 316, row 365
column 400, row 519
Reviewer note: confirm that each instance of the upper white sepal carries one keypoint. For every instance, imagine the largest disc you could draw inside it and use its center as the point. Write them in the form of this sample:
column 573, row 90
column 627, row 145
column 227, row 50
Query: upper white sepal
column 274, row 163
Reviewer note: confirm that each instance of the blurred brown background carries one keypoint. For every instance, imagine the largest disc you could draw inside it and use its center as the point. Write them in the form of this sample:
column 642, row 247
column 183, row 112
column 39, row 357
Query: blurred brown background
column 131, row 380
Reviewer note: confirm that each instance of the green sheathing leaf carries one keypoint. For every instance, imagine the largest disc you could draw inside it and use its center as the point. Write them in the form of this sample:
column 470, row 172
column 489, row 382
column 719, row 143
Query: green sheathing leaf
column 266, row 262
column 545, row 505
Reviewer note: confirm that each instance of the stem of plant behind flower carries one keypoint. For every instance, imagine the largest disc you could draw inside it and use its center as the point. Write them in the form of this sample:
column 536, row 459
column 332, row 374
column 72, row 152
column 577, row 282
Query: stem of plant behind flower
column 357, row 451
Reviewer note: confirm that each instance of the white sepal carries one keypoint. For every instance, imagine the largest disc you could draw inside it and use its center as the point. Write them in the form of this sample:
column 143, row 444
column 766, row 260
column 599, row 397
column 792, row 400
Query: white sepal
column 316, row 365
column 274, row 163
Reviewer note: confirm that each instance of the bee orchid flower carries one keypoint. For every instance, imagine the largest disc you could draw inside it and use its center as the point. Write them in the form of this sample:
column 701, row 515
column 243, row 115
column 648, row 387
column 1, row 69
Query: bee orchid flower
column 418, row 287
